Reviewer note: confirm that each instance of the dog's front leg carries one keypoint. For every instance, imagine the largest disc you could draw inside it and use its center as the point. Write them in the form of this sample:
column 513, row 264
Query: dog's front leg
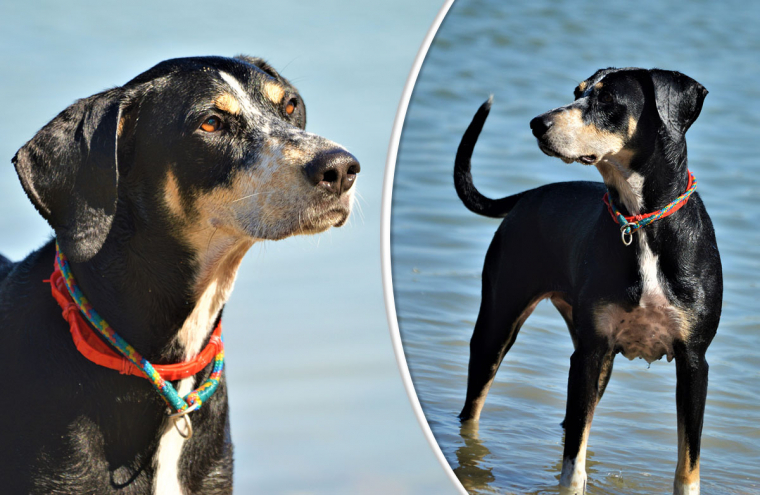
column 586, row 365
column 691, row 393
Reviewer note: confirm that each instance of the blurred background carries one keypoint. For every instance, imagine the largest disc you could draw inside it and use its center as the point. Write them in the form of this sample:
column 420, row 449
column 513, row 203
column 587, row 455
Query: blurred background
column 530, row 56
column 317, row 402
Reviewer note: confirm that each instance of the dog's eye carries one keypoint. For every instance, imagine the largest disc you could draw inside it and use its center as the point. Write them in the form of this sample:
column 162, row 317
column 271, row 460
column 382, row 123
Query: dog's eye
column 606, row 98
column 211, row 124
column 290, row 106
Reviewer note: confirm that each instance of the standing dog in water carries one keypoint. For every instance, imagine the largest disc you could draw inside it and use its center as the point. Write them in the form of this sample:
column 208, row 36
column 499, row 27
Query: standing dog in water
column 640, row 275
column 155, row 190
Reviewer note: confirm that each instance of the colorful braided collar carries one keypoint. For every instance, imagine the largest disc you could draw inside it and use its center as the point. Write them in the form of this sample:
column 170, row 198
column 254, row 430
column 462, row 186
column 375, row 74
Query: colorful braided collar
column 629, row 225
column 71, row 299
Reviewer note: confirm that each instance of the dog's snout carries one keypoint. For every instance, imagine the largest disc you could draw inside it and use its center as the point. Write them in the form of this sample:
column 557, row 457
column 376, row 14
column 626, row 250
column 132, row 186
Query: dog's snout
column 540, row 125
column 335, row 170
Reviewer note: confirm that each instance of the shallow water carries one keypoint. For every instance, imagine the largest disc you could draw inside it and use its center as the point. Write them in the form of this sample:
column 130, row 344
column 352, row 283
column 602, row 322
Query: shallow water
column 317, row 405
column 530, row 55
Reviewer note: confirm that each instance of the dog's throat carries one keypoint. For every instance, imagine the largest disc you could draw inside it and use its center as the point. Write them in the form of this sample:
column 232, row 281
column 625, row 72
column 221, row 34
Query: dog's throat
column 626, row 188
column 214, row 282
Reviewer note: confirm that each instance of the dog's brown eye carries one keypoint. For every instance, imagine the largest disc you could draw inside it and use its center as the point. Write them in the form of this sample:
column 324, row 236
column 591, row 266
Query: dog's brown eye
column 290, row 107
column 211, row 124
column 606, row 98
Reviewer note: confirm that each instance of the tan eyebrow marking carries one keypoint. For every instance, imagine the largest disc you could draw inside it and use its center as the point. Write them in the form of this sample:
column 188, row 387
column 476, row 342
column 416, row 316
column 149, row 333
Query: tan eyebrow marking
column 228, row 103
column 273, row 91
column 242, row 96
column 582, row 86
column 598, row 85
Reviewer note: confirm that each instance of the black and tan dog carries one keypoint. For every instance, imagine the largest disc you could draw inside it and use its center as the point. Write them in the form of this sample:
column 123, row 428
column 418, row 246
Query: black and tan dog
column 660, row 296
column 155, row 190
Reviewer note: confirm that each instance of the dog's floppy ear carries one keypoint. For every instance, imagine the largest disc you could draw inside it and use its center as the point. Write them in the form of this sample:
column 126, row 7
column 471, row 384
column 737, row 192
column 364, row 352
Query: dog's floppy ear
column 261, row 64
column 69, row 171
column 678, row 98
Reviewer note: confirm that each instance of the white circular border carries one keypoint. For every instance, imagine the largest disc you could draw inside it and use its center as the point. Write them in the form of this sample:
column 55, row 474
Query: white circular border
column 385, row 248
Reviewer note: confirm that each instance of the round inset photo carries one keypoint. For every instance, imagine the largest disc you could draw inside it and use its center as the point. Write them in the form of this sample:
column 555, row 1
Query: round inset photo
column 545, row 220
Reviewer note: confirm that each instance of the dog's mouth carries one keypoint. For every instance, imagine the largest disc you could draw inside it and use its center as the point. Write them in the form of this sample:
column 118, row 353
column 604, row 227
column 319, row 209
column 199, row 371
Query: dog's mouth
column 326, row 214
column 549, row 151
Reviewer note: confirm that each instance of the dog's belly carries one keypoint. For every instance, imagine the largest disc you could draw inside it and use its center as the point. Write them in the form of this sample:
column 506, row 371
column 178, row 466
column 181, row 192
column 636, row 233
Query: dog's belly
column 647, row 331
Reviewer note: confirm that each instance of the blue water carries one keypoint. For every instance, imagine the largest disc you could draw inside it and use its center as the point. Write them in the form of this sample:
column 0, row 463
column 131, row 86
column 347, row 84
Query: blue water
column 530, row 56
column 317, row 403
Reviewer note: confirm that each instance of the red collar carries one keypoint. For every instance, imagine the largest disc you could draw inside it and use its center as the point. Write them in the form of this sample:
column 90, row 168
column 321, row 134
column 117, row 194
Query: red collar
column 96, row 350
column 668, row 210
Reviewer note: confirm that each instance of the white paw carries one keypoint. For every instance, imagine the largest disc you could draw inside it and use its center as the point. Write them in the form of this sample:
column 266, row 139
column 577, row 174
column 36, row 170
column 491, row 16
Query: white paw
column 680, row 488
column 573, row 478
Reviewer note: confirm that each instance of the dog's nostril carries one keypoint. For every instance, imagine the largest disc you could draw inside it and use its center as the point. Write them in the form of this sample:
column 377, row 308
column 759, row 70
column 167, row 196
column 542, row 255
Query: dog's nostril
column 330, row 176
column 333, row 170
column 540, row 125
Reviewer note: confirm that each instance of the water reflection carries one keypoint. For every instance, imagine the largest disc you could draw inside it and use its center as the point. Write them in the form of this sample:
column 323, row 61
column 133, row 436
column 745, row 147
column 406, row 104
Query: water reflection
column 469, row 456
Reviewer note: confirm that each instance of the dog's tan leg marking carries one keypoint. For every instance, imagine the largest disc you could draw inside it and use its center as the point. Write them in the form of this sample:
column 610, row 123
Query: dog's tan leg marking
column 273, row 91
column 572, row 481
column 687, row 479
column 227, row 103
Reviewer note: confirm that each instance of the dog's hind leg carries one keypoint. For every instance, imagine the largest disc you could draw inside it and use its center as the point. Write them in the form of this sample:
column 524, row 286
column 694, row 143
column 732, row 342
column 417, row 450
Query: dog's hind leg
column 510, row 295
column 587, row 366
column 495, row 332
column 691, row 393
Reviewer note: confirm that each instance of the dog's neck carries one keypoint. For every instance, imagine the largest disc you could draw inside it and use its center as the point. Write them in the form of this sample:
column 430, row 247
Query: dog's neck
column 642, row 184
column 168, row 307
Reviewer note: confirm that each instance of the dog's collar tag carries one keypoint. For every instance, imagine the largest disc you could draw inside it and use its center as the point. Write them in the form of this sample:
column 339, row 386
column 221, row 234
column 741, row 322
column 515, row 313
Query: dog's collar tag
column 629, row 225
column 75, row 305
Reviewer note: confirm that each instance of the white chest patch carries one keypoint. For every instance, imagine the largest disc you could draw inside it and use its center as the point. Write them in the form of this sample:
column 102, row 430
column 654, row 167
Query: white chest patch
column 649, row 329
column 166, row 460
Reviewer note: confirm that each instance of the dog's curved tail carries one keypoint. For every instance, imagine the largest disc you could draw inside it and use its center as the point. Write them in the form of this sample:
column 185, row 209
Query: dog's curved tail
column 470, row 196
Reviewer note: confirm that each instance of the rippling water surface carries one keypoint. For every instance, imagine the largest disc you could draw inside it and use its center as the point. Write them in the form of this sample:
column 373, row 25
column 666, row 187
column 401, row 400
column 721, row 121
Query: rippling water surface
column 530, row 55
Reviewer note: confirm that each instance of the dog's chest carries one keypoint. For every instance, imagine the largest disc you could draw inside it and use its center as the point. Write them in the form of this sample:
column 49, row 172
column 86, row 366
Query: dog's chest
column 649, row 329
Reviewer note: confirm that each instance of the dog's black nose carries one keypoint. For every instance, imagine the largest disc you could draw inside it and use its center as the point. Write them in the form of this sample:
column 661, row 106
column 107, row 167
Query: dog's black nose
column 540, row 125
column 335, row 170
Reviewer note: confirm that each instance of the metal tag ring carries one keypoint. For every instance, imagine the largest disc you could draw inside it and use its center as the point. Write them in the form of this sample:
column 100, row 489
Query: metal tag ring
column 187, row 433
column 626, row 233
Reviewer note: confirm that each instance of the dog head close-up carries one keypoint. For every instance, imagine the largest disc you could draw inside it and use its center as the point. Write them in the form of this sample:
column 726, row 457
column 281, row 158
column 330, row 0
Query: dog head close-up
column 156, row 190
column 624, row 121
column 212, row 149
